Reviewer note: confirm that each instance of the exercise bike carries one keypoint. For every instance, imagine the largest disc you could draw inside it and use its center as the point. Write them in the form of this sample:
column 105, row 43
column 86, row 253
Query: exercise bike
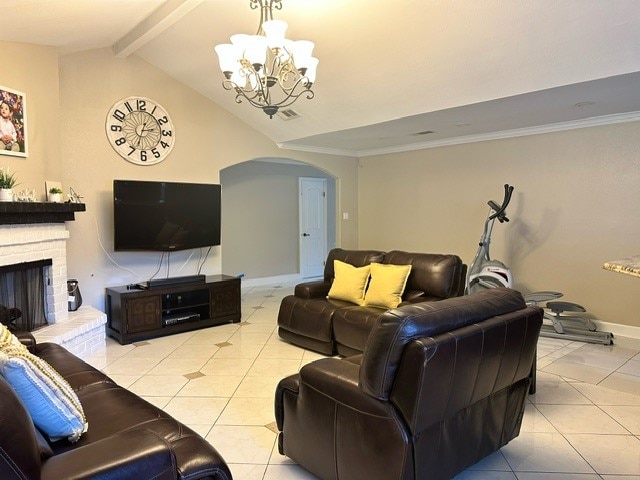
column 562, row 319
column 485, row 273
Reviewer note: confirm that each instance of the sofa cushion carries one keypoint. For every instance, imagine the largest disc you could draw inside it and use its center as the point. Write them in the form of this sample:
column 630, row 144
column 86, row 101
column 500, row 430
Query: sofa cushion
column 349, row 283
column 53, row 405
column 352, row 326
column 357, row 258
column 386, row 285
column 437, row 275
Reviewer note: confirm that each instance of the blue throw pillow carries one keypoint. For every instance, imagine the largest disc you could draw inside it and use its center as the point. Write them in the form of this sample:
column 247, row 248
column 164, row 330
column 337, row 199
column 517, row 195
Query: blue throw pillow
column 53, row 405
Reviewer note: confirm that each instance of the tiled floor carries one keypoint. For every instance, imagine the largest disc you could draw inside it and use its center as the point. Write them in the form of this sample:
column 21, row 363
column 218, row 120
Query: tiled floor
column 582, row 424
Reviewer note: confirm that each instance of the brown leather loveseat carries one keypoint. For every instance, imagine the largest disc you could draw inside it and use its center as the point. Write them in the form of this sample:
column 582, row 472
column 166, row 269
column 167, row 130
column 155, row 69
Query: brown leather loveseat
column 127, row 437
column 311, row 320
column 440, row 386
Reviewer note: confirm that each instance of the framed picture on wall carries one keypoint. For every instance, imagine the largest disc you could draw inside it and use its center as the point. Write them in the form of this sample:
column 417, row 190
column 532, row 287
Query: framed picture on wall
column 13, row 122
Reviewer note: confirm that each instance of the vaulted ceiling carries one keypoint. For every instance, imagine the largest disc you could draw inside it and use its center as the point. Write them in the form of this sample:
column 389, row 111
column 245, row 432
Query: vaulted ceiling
column 393, row 75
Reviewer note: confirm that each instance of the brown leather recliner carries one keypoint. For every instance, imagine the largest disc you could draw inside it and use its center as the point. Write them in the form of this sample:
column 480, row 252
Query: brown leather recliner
column 311, row 320
column 439, row 386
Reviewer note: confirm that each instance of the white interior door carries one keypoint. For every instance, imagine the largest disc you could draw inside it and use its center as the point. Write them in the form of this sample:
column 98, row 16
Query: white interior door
column 313, row 226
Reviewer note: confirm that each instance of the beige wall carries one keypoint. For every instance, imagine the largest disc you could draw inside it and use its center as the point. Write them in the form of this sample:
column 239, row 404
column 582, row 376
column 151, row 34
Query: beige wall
column 68, row 99
column 33, row 70
column 575, row 206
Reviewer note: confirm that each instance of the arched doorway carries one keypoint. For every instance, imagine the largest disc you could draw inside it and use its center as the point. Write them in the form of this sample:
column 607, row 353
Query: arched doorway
column 260, row 220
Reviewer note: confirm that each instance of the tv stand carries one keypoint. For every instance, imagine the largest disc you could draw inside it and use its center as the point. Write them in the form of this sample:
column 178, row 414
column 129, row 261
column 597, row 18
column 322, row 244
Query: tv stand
column 139, row 314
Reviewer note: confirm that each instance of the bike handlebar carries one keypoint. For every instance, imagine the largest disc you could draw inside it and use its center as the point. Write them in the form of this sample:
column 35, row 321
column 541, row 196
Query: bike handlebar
column 500, row 209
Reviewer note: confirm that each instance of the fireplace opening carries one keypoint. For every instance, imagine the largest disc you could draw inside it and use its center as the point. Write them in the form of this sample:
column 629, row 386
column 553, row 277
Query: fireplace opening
column 23, row 295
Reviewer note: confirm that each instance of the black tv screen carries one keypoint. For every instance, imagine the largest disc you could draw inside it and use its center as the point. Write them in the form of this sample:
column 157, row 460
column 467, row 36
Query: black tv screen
column 165, row 216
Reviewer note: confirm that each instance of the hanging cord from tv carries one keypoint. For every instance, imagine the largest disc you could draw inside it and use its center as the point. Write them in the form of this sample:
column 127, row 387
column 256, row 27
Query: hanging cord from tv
column 168, row 263
column 186, row 262
column 159, row 266
column 204, row 260
column 95, row 221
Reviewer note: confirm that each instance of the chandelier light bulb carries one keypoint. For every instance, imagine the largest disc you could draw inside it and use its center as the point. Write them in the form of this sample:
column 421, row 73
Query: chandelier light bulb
column 238, row 79
column 301, row 52
column 274, row 31
column 256, row 50
column 227, row 57
column 240, row 41
column 311, row 70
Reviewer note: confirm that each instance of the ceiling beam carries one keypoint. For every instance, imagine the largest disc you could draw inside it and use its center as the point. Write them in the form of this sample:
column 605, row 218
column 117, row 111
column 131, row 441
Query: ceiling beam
column 152, row 26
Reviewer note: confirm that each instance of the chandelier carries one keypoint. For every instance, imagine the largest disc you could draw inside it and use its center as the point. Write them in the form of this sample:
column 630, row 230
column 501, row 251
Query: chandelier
column 266, row 69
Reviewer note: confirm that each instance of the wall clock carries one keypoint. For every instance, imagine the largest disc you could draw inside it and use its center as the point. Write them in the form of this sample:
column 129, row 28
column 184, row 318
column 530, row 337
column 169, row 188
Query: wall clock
column 140, row 130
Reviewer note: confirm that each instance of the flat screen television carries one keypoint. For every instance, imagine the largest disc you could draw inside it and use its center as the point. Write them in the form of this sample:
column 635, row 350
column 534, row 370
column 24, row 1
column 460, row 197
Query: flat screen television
column 165, row 216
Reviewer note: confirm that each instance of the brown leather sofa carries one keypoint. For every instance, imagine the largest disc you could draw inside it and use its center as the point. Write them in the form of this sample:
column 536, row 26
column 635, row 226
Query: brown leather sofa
column 128, row 438
column 440, row 386
column 311, row 320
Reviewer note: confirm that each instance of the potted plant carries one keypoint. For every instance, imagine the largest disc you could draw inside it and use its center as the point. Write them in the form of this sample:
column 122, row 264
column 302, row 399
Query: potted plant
column 55, row 195
column 7, row 182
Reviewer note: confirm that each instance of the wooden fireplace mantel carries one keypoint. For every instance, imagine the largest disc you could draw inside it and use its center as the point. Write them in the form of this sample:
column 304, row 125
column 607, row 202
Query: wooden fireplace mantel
column 13, row 213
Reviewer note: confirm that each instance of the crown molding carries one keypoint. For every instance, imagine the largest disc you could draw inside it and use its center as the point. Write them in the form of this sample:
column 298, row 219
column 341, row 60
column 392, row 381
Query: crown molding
column 481, row 137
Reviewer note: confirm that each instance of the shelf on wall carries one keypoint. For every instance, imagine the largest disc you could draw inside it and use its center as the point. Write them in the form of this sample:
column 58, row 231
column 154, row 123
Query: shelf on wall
column 14, row 213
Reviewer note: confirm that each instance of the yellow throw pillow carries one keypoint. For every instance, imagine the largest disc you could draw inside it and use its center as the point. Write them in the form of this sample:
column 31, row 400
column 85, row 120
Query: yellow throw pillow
column 386, row 285
column 349, row 282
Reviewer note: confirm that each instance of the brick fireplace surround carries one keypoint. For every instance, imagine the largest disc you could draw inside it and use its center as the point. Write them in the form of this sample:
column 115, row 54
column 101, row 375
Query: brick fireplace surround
column 83, row 331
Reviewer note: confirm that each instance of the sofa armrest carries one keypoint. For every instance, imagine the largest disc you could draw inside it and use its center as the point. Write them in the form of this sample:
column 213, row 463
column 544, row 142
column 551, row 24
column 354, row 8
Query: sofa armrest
column 325, row 421
column 291, row 384
column 337, row 379
column 318, row 289
column 131, row 454
column 27, row 339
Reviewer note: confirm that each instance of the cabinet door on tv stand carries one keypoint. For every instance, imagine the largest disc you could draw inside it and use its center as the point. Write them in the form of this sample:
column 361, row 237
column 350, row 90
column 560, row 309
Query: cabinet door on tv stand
column 225, row 300
column 143, row 314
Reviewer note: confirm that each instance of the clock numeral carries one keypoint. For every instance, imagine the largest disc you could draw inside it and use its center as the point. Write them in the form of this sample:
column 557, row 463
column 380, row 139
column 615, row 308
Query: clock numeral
column 129, row 107
column 154, row 109
column 120, row 141
column 119, row 115
column 143, row 155
column 167, row 133
column 164, row 144
column 162, row 120
column 141, row 104
column 116, row 128
column 155, row 152
column 131, row 151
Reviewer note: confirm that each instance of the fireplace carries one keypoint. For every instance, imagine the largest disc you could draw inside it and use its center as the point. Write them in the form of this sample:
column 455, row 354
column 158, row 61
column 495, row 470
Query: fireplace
column 35, row 234
column 38, row 242
column 23, row 295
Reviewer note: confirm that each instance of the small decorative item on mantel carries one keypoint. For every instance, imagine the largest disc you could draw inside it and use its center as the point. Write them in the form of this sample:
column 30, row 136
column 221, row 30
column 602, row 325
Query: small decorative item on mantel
column 26, row 195
column 55, row 195
column 53, row 191
column 7, row 182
